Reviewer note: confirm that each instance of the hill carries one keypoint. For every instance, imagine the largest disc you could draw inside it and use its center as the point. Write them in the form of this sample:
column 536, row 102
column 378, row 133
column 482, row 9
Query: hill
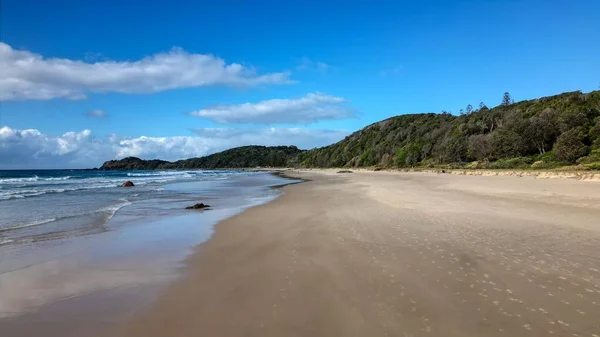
column 547, row 132
column 541, row 133
column 240, row 157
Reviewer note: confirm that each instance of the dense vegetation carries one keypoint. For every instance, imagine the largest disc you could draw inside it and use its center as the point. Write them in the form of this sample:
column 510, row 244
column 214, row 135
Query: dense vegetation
column 548, row 132
column 541, row 133
column 240, row 157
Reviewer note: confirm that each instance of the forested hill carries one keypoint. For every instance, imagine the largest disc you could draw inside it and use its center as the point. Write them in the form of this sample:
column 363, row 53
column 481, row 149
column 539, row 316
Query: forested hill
column 240, row 157
column 547, row 132
column 540, row 133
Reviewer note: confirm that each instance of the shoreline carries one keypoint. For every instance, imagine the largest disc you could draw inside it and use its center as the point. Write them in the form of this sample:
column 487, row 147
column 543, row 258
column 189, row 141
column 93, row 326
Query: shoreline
column 107, row 277
column 344, row 255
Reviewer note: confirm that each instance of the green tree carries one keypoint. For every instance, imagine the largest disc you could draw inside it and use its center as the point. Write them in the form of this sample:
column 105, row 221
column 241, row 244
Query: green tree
column 507, row 100
column 479, row 147
column 542, row 130
column 571, row 145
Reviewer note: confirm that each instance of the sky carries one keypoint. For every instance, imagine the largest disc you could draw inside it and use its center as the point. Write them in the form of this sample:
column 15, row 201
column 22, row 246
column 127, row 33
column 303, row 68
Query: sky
column 82, row 82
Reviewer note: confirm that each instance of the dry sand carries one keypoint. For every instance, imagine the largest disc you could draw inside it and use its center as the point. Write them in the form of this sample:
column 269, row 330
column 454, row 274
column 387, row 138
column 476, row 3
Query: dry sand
column 396, row 254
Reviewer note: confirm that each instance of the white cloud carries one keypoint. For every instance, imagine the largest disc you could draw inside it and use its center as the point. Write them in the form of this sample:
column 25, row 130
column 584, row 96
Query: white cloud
column 33, row 149
column 27, row 75
column 301, row 137
column 96, row 113
column 308, row 109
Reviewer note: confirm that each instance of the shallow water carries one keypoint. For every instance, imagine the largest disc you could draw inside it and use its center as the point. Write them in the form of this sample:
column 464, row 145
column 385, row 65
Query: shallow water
column 49, row 204
column 127, row 259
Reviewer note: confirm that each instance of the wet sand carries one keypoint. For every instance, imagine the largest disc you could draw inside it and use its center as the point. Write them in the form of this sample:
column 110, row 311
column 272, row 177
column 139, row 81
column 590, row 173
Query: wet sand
column 395, row 254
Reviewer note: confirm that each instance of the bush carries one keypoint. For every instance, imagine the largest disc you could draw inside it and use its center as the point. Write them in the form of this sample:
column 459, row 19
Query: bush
column 591, row 158
column 542, row 165
column 513, row 163
column 547, row 157
column 538, row 164
column 472, row 165
column 570, row 145
column 478, row 165
column 593, row 166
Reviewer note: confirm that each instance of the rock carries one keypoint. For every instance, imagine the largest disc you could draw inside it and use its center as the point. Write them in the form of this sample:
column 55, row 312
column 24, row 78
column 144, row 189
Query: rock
column 344, row 171
column 198, row 206
column 127, row 184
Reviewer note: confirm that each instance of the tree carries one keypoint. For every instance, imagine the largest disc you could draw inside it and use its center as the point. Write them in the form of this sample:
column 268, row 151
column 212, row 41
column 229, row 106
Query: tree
column 462, row 112
column 479, row 147
column 506, row 143
column 469, row 109
column 507, row 100
column 542, row 130
column 482, row 106
column 570, row 145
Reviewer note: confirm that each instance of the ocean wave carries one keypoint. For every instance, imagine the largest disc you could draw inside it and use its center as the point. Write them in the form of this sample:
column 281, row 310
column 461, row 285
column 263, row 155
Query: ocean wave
column 19, row 188
column 4, row 241
column 19, row 193
column 26, row 225
column 32, row 179
column 110, row 210
column 113, row 209
column 56, row 178
column 162, row 173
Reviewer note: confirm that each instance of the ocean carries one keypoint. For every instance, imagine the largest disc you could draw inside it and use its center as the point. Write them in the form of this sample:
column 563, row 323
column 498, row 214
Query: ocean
column 67, row 236
column 49, row 204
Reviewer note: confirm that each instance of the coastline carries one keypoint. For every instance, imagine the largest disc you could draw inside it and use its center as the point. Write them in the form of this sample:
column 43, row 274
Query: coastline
column 76, row 285
column 397, row 254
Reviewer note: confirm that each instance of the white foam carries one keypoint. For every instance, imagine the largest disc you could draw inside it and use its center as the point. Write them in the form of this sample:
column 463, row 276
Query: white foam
column 162, row 173
column 113, row 209
column 26, row 225
column 31, row 179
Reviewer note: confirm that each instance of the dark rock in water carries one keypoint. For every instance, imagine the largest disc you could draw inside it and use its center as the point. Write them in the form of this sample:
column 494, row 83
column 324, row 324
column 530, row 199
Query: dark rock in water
column 198, row 206
column 344, row 171
column 127, row 184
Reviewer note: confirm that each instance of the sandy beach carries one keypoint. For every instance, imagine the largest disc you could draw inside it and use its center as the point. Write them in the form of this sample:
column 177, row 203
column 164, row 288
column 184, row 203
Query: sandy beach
column 395, row 254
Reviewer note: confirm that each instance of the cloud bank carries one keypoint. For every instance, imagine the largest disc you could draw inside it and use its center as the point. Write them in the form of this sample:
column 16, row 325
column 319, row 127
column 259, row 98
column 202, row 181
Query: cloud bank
column 32, row 149
column 311, row 108
column 27, row 75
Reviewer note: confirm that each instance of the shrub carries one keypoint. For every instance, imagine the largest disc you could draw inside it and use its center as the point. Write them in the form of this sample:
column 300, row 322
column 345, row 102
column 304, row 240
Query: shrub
column 571, row 145
column 538, row 164
column 512, row 163
column 591, row 158
column 593, row 166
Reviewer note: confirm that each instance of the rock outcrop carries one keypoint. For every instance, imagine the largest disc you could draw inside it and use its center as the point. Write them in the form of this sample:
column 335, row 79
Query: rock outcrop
column 198, row 206
column 127, row 184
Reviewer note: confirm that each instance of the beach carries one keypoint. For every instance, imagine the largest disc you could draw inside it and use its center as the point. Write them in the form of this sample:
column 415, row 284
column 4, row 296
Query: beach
column 395, row 254
column 367, row 254
column 91, row 266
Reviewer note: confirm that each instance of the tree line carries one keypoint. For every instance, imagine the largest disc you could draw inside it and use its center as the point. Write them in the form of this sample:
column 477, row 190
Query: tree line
column 542, row 133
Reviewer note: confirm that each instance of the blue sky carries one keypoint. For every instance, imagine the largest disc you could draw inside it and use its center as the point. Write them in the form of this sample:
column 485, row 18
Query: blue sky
column 305, row 72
